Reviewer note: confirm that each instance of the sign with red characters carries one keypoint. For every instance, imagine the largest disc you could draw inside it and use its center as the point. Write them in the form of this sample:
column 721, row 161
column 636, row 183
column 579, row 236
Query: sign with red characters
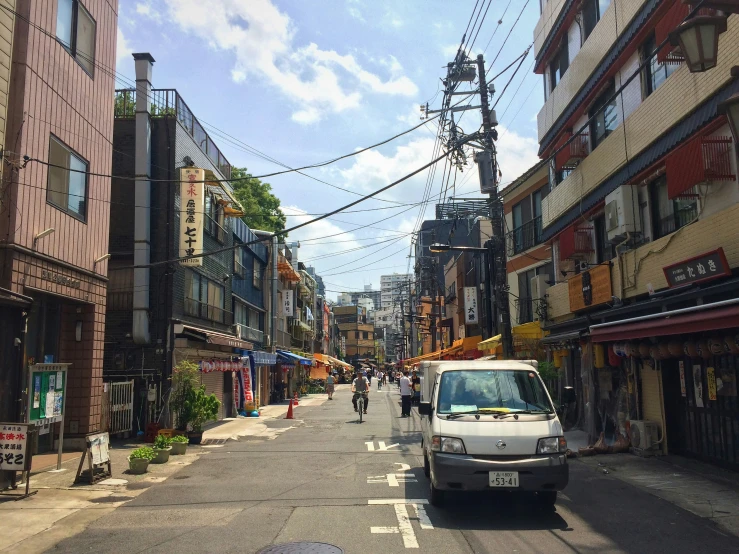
column 14, row 446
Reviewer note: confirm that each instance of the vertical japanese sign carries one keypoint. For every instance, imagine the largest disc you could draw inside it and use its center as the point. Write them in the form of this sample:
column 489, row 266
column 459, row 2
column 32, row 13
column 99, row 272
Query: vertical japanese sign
column 13, row 441
column 698, row 385
column 287, row 302
column 711, row 375
column 470, row 305
column 192, row 208
column 683, row 391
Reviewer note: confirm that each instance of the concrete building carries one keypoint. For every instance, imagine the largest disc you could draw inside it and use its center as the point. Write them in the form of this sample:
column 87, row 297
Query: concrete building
column 641, row 218
column 357, row 334
column 392, row 287
column 56, row 104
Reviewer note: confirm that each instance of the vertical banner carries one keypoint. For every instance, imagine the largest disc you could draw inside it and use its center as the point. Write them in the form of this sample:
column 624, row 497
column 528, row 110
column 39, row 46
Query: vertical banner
column 698, row 385
column 470, row 305
column 683, row 391
column 711, row 374
column 287, row 302
column 192, row 210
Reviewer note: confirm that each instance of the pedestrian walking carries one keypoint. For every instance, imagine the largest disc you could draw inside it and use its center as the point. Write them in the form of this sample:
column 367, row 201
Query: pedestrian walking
column 330, row 382
column 416, row 384
column 405, row 395
column 379, row 380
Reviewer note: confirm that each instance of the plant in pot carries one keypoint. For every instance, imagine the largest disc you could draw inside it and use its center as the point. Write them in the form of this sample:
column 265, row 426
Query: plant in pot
column 179, row 444
column 139, row 460
column 185, row 379
column 161, row 449
column 199, row 408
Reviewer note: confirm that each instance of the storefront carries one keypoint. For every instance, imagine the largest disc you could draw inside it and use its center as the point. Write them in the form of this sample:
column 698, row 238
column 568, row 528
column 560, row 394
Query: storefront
column 263, row 374
column 679, row 369
column 294, row 370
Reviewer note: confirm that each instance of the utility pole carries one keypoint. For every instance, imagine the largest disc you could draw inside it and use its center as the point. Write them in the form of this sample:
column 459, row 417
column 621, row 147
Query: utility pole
column 497, row 242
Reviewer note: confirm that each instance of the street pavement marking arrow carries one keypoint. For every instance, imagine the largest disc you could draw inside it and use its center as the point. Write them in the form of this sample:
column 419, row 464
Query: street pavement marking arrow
column 370, row 446
column 383, row 447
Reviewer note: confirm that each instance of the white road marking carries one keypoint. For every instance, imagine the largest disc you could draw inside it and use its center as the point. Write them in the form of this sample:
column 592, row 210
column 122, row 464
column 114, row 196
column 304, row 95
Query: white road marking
column 392, row 479
column 403, row 467
column 370, row 446
column 384, row 530
column 404, row 524
column 383, row 447
column 387, row 501
column 423, row 518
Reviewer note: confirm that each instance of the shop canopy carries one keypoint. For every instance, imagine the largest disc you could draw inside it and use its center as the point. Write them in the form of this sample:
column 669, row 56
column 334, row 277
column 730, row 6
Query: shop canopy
column 707, row 317
column 285, row 357
column 528, row 331
column 263, row 358
column 339, row 363
column 211, row 337
column 490, row 344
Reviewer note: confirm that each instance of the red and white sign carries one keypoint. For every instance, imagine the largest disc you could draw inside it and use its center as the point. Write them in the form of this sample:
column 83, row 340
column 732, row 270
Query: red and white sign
column 207, row 366
column 13, row 439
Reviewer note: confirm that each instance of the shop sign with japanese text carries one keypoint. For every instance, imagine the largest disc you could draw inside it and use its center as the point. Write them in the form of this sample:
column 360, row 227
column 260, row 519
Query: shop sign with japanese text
column 705, row 267
column 470, row 305
column 13, row 442
column 288, row 308
column 590, row 288
column 192, row 208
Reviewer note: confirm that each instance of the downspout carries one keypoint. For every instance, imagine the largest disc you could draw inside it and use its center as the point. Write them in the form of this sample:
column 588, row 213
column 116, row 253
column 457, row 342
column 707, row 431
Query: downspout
column 142, row 200
column 273, row 302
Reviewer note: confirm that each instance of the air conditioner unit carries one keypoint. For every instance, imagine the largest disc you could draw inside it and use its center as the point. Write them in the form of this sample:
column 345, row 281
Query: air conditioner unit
column 622, row 216
column 645, row 436
column 539, row 288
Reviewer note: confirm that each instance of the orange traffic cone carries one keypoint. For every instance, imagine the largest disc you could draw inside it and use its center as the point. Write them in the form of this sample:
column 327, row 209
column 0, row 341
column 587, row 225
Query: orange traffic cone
column 290, row 411
column 295, row 398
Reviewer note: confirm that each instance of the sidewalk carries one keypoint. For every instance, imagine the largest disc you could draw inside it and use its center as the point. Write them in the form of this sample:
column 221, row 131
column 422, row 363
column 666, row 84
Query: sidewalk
column 62, row 509
column 699, row 488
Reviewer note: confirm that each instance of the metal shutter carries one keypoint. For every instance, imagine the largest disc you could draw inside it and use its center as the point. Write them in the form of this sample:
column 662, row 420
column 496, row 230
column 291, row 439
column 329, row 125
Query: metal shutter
column 213, row 382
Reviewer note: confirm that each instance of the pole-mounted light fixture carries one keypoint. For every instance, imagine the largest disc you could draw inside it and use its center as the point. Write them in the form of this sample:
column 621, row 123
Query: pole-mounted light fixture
column 42, row 234
column 698, row 41
column 100, row 260
column 439, row 248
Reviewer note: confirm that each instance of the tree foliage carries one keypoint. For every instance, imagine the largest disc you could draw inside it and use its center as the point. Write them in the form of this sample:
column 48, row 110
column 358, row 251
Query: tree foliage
column 261, row 207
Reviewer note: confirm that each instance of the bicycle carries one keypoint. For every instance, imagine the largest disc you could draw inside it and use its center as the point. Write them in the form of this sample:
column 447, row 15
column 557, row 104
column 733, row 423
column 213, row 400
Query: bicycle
column 360, row 405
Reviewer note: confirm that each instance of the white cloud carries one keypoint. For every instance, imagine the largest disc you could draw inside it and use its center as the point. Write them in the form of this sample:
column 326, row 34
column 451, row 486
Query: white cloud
column 123, row 50
column 516, row 153
column 261, row 38
column 354, row 11
column 145, row 8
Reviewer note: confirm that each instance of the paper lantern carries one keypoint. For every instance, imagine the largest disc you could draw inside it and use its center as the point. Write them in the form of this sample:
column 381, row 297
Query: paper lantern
column 689, row 349
column 731, row 344
column 675, row 348
column 654, row 352
column 703, row 351
column 613, row 359
column 614, row 348
column 557, row 355
column 664, row 352
column 632, row 349
column 716, row 346
column 644, row 349
column 599, row 357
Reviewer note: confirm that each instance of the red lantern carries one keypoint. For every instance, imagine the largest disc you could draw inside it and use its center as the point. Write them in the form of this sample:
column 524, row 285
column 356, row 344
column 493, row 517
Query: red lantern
column 613, row 359
column 716, row 346
column 690, row 349
column 644, row 349
column 675, row 348
column 664, row 352
column 654, row 352
column 731, row 344
column 703, row 351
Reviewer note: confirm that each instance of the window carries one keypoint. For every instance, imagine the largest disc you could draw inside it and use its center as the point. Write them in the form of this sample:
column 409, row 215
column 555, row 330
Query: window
column 592, row 11
column 559, row 65
column 365, row 335
column 604, row 112
column 356, row 334
column 244, row 315
column 204, row 298
column 655, row 72
column 604, row 250
column 75, row 29
column 214, row 218
column 67, row 186
column 669, row 214
column 257, row 278
column 525, row 299
column 239, row 269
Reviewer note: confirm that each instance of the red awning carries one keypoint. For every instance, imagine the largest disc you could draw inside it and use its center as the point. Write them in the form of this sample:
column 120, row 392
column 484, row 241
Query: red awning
column 690, row 322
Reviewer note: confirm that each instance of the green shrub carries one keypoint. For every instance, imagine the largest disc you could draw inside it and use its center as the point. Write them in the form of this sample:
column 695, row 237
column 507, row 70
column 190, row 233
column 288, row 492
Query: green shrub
column 143, row 453
column 179, row 438
column 161, row 442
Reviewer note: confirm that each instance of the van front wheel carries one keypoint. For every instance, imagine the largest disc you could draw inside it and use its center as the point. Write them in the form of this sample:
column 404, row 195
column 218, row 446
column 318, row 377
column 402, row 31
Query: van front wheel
column 547, row 498
column 437, row 496
column 426, row 466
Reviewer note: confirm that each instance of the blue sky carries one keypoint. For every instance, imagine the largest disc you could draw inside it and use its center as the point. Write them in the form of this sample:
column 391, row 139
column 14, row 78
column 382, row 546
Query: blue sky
column 304, row 81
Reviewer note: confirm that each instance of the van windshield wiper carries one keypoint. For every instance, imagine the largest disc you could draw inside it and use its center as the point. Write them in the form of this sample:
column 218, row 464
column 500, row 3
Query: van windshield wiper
column 516, row 414
column 455, row 415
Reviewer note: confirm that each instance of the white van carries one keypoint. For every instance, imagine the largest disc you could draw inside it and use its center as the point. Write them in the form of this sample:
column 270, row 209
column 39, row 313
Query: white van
column 491, row 425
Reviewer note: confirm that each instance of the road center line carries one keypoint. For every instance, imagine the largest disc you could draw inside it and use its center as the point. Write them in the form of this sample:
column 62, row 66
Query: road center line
column 404, row 524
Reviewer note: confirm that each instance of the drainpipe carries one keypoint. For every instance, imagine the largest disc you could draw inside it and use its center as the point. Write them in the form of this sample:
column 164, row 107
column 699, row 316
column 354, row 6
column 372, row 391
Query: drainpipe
column 273, row 302
column 142, row 199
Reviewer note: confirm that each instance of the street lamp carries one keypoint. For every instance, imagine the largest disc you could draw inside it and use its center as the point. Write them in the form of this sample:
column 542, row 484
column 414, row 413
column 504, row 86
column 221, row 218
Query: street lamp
column 439, row 248
column 698, row 41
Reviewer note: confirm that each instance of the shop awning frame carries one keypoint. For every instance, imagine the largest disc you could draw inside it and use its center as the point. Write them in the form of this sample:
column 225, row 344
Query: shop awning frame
column 490, row 344
column 695, row 319
column 212, row 337
column 290, row 358
column 263, row 358
column 561, row 337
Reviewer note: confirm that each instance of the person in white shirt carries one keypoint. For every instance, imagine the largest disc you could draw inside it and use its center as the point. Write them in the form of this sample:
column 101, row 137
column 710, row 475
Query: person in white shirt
column 405, row 395
column 380, row 376
column 360, row 385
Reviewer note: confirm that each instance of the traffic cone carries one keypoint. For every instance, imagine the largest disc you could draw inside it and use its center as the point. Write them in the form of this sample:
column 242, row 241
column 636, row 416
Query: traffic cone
column 295, row 398
column 290, row 411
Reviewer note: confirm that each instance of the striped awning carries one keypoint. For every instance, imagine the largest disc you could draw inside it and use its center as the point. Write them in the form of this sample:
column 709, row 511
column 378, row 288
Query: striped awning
column 290, row 358
column 263, row 358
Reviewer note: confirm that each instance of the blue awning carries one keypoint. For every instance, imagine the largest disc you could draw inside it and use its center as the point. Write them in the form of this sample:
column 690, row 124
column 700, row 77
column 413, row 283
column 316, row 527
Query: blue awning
column 263, row 358
column 290, row 358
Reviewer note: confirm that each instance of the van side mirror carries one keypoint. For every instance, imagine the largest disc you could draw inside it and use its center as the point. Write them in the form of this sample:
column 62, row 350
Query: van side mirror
column 568, row 396
column 424, row 408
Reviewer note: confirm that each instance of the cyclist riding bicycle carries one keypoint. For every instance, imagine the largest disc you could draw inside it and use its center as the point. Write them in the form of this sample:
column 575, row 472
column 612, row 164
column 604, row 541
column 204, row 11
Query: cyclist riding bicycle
column 360, row 385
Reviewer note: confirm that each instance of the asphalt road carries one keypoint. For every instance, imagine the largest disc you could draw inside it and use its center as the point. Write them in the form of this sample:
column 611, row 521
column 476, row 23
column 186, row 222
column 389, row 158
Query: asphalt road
column 319, row 481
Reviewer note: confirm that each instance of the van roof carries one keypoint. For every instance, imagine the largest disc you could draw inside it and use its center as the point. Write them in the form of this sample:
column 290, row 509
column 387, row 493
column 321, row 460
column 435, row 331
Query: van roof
column 484, row 365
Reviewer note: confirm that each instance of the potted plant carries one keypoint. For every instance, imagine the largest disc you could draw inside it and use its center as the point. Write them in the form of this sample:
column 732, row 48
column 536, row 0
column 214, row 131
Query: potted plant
column 179, row 444
column 199, row 408
column 139, row 460
column 185, row 378
column 161, row 450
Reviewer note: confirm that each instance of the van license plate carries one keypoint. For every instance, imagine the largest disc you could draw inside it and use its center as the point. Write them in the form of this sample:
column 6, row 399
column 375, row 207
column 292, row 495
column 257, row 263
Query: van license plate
column 504, row 479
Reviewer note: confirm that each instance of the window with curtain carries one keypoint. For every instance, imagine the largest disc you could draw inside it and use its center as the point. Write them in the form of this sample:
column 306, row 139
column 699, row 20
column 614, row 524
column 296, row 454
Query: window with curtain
column 558, row 66
column 592, row 11
column 655, row 72
column 75, row 30
column 669, row 214
column 605, row 116
column 257, row 270
column 204, row 298
column 67, row 180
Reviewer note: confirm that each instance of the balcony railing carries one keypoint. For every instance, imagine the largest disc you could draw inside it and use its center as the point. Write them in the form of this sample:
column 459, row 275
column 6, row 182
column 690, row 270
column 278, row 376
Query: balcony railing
column 214, row 229
column 204, row 310
column 524, row 237
column 165, row 102
column 680, row 218
column 282, row 339
column 250, row 334
column 525, row 309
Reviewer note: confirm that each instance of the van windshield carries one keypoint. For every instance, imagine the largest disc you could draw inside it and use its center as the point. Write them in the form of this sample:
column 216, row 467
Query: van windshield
column 498, row 391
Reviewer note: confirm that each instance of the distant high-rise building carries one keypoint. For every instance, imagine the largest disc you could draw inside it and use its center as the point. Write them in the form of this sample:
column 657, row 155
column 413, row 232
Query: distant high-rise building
column 391, row 287
column 320, row 287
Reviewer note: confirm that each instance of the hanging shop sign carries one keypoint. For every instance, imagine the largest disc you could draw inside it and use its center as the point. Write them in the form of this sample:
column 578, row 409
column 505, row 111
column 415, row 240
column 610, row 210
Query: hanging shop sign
column 706, row 267
column 288, row 306
column 470, row 305
column 208, row 366
column 711, row 377
column 590, row 288
column 698, row 385
column 683, row 390
column 192, row 210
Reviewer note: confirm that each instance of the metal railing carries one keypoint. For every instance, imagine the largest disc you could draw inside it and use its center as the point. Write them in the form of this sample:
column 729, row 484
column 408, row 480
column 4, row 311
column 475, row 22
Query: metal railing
column 204, row 310
column 680, row 218
column 524, row 237
column 213, row 228
column 451, row 293
column 166, row 102
column 282, row 339
column 250, row 334
column 525, row 309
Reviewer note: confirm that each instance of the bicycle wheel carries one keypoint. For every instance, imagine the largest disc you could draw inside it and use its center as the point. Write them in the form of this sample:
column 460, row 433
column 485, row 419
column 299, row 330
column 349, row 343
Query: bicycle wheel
column 360, row 403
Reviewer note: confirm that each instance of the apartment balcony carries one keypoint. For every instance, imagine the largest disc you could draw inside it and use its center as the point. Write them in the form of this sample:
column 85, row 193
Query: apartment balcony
column 524, row 237
column 282, row 339
column 244, row 332
column 451, row 293
column 168, row 102
column 205, row 311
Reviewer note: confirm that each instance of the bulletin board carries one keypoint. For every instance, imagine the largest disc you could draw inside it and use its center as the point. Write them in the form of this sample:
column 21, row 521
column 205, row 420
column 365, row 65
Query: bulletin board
column 48, row 387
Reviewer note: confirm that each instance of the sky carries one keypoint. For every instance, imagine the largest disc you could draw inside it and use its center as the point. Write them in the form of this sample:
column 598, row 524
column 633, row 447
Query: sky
column 299, row 82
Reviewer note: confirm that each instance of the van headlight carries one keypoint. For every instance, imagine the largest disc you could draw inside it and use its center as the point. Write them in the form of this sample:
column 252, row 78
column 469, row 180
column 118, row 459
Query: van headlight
column 447, row 444
column 551, row 445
